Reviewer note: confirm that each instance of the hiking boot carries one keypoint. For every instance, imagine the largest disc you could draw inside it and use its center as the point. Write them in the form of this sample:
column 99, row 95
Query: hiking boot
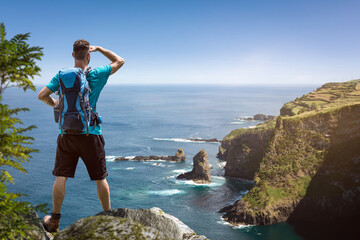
column 51, row 222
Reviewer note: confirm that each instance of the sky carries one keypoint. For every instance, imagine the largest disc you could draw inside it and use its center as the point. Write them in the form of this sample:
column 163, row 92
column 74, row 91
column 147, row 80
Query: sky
column 233, row 42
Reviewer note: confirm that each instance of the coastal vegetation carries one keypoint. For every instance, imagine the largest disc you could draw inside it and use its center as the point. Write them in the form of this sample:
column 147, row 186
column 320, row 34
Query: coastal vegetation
column 17, row 67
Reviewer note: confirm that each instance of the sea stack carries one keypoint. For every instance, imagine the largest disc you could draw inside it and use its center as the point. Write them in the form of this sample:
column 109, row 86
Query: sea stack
column 180, row 155
column 201, row 169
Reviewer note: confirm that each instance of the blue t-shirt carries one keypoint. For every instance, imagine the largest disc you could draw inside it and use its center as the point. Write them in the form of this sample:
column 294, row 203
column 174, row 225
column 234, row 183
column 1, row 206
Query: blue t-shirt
column 97, row 79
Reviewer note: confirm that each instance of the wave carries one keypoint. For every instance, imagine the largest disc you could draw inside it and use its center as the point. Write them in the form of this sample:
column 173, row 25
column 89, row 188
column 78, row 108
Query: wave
column 110, row 158
column 238, row 226
column 157, row 160
column 182, row 140
column 243, row 117
column 252, row 127
column 159, row 165
column 172, row 176
column 221, row 164
column 167, row 192
column 219, row 177
column 240, row 122
column 191, row 182
column 180, row 170
column 121, row 168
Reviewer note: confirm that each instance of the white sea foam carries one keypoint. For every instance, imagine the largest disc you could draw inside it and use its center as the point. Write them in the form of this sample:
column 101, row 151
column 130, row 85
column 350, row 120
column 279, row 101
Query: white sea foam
column 173, row 139
column 159, row 164
column 218, row 177
column 157, row 160
column 221, row 164
column 238, row 226
column 191, row 182
column 130, row 157
column 223, row 222
column 129, row 168
column 252, row 127
column 240, row 122
column 172, row 176
column 110, row 158
column 181, row 140
column 180, row 170
column 167, row 192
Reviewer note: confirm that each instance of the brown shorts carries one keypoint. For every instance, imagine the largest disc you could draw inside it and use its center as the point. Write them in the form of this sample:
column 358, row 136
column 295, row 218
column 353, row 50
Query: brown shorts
column 89, row 148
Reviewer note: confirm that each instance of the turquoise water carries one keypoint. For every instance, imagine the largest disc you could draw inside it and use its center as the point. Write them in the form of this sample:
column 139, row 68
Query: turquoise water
column 156, row 120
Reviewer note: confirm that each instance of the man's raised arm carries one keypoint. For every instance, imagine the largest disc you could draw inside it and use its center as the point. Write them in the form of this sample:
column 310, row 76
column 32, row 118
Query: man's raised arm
column 116, row 61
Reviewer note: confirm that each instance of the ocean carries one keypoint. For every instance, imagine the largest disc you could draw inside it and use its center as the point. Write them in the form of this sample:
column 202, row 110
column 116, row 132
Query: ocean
column 155, row 120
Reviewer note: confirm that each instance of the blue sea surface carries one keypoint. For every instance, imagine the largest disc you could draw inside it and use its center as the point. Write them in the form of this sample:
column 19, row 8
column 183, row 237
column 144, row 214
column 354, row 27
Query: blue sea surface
column 155, row 120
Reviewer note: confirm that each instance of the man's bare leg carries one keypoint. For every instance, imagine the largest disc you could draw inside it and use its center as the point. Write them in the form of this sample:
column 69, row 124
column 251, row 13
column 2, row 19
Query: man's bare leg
column 51, row 222
column 58, row 193
column 103, row 194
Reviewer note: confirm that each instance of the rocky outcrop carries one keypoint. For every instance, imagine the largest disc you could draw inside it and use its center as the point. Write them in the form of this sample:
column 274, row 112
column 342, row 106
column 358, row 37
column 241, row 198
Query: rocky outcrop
column 108, row 227
column 308, row 171
column 260, row 117
column 201, row 169
column 179, row 156
column 170, row 226
column 214, row 140
column 37, row 230
column 127, row 223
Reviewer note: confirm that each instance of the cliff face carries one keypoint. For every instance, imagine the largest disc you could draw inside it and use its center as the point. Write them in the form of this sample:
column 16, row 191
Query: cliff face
column 308, row 164
column 243, row 150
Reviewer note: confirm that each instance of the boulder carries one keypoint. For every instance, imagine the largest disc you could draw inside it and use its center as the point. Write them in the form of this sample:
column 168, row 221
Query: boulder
column 201, row 169
column 108, row 227
column 170, row 226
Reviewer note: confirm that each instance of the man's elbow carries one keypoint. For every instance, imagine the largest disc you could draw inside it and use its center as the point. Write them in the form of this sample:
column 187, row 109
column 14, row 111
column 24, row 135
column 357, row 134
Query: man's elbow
column 44, row 93
column 41, row 96
column 121, row 62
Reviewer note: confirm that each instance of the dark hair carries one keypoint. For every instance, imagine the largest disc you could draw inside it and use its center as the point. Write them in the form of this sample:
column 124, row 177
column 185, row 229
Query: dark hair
column 81, row 48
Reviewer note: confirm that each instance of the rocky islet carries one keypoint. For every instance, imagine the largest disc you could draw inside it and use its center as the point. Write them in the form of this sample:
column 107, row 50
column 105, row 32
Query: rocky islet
column 201, row 169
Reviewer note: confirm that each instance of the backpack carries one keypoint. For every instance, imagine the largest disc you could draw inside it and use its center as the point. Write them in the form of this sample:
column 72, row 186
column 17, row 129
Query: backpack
column 74, row 110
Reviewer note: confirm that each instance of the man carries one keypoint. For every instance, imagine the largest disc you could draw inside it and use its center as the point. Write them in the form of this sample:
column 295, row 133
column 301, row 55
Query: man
column 90, row 148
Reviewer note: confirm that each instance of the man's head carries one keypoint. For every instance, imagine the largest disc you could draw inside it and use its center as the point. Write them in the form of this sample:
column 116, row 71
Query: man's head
column 81, row 50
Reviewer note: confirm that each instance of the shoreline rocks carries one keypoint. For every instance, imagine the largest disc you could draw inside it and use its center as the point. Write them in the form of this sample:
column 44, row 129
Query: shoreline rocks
column 260, row 117
column 178, row 157
column 212, row 140
column 201, row 170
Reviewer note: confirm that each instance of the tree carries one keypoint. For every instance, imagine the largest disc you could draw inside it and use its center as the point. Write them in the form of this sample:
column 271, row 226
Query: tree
column 18, row 61
column 17, row 65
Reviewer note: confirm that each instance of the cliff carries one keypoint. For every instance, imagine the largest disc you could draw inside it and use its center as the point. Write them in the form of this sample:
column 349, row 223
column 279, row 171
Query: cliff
column 305, row 165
